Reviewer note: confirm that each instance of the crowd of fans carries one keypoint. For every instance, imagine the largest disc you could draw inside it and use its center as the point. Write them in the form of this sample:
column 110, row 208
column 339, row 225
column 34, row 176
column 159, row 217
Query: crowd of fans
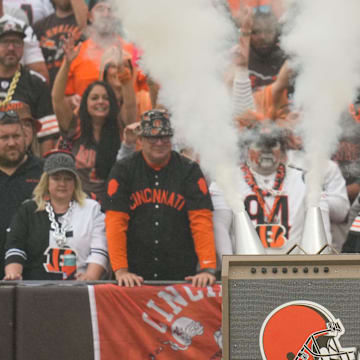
column 88, row 172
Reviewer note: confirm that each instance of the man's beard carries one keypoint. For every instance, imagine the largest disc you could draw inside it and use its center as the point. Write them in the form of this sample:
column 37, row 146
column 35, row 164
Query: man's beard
column 12, row 163
column 264, row 51
column 66, row 8
column 104, row 27
column 10, row 63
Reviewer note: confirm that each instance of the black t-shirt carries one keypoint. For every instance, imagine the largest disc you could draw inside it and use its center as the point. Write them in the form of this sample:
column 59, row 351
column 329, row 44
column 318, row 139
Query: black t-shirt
column 263, row 70
column 14, row 189
column 31, row 99
column 51, row 32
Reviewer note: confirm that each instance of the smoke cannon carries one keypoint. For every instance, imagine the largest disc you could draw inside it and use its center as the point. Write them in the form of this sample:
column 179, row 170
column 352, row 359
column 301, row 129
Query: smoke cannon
column 313, row 240
column 247, row 241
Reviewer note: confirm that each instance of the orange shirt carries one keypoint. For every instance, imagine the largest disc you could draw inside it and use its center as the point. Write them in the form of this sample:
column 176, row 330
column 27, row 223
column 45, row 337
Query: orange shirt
column 86, row 67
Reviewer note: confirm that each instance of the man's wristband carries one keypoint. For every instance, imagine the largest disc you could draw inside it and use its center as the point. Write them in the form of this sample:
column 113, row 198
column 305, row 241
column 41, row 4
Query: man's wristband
column 208, row 270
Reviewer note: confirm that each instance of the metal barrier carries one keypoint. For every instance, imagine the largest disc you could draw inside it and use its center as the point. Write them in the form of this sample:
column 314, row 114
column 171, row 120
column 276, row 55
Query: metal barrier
column 7, row 323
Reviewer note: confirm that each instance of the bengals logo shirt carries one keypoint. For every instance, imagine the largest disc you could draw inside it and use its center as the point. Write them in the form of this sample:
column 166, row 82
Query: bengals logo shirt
column 61, row 261
column 30, row 242
column 285, row 230
column 51, row 33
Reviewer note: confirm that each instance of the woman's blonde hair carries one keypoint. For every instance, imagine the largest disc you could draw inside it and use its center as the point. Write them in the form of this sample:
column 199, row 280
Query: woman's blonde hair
column 35, row 146
column 41, row 192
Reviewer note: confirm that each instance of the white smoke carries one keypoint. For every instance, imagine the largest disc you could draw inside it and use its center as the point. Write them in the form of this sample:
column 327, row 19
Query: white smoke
column 186, row 49
column 323, row 38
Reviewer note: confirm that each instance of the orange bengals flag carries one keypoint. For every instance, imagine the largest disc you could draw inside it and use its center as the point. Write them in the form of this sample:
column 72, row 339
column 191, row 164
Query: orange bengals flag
column 156, row 322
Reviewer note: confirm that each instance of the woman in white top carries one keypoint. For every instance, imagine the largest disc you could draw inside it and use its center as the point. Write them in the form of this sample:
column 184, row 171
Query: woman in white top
column 59, row 234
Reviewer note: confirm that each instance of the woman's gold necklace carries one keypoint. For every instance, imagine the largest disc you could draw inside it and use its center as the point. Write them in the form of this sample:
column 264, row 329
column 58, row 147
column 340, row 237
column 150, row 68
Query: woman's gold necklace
column 12, row 88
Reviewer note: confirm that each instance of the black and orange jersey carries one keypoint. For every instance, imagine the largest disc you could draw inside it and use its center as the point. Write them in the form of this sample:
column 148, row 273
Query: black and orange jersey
column 31, row 99
column 263, row 70
column 165, row 216
column 51, row 32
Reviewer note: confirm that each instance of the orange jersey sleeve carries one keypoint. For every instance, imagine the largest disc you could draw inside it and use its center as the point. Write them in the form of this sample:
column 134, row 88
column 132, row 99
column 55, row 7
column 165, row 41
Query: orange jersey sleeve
column 116, row 226
column 202, row 229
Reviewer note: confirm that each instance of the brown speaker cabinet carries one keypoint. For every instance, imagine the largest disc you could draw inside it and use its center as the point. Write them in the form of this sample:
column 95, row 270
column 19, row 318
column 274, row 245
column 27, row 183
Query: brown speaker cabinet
column 259, row 289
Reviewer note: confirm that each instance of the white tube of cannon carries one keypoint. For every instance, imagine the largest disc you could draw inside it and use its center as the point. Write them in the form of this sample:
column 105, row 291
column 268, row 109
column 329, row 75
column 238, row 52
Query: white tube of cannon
column 247, row 241
column 313, row 238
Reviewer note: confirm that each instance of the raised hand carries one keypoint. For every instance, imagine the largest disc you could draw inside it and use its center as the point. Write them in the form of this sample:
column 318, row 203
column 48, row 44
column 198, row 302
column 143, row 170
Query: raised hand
column 131, row 133
column 70, row 50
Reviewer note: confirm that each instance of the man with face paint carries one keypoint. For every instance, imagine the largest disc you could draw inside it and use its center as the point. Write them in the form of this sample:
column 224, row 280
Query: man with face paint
column 265, row 153
column 273, row 194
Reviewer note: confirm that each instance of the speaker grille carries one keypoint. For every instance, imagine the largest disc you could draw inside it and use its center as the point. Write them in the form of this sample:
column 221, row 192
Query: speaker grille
column 250, row 301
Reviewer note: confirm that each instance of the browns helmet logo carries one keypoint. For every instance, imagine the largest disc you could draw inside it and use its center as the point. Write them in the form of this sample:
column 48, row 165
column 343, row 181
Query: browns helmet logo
column 303, row 330
column 61, row 261
column 271, row 235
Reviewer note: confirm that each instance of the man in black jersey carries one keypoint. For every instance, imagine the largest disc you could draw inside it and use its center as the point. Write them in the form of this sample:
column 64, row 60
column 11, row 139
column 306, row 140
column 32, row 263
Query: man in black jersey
column 159, row 212
column 19, row 173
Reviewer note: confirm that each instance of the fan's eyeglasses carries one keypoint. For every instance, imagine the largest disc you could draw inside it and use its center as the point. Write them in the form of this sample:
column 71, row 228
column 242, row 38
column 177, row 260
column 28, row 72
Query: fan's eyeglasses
column 155, row 139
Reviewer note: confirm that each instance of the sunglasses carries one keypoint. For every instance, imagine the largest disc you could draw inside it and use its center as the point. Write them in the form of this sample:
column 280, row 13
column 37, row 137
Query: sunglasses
column 154, row 140
column 11, row 116
column 262, row 9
